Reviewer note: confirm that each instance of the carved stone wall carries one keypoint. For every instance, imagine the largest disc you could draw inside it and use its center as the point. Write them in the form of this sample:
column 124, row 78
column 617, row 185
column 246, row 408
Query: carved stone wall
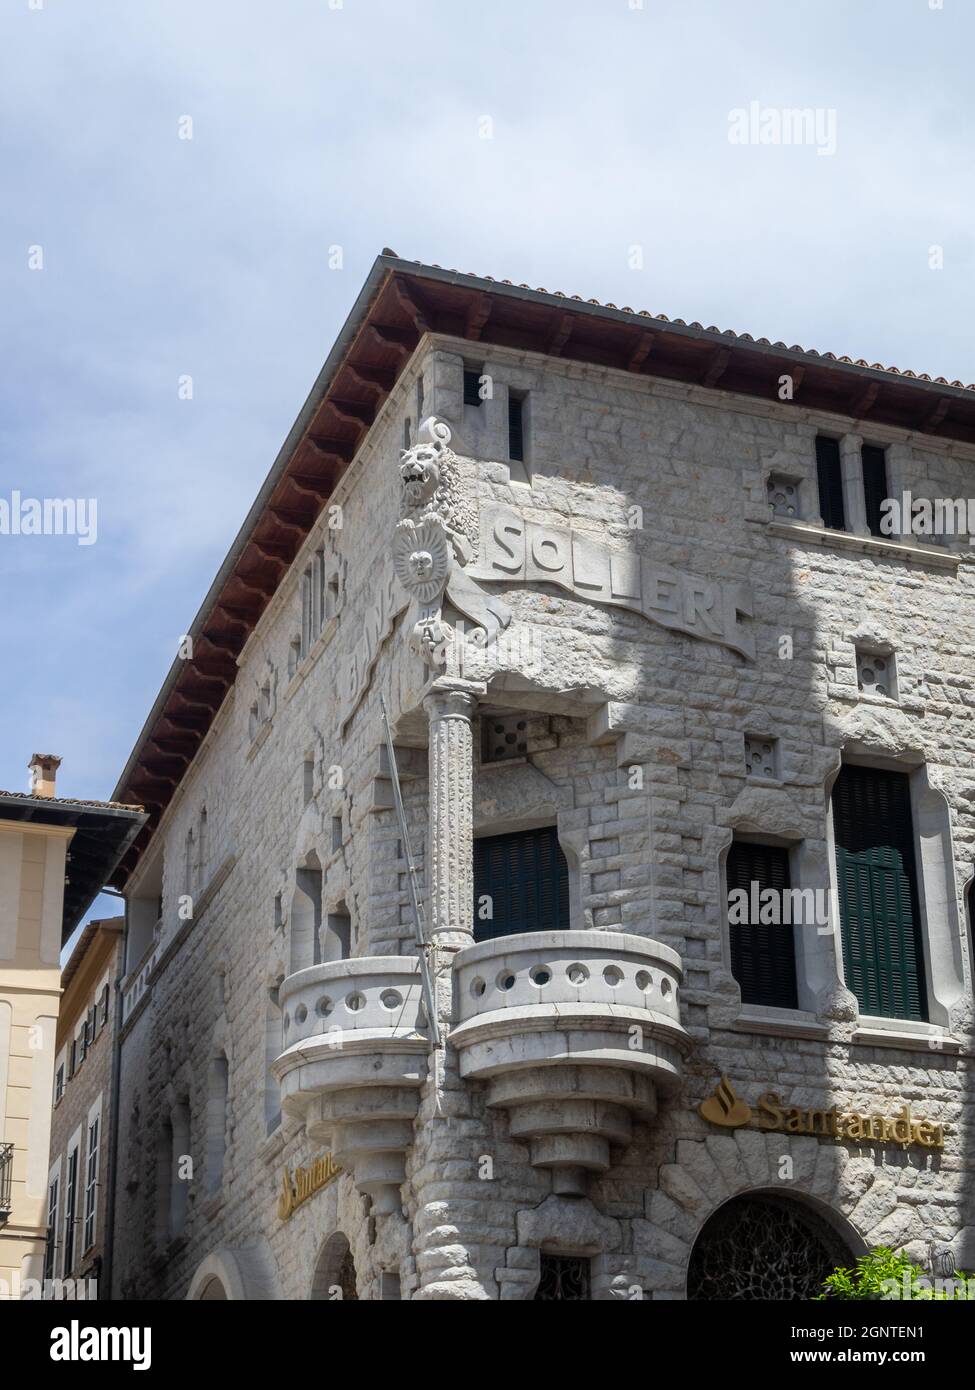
column 644, row 774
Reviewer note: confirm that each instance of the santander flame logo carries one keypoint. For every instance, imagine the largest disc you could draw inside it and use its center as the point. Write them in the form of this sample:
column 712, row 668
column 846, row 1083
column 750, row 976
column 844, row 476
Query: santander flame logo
column 724, row 1107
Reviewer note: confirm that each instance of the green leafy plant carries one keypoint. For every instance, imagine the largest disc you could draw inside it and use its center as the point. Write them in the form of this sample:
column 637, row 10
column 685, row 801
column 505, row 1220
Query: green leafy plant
column 890, row 1274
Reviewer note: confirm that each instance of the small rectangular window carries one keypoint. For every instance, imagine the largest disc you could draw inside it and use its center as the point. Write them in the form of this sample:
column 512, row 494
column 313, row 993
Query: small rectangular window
column 71, row 1199
column 59, row 1083
column 50, row 1249
column 516, row 432
column 91, row 1185
column 874, row 462
column 306, row 601
column 521, row 883
column 103, row 1008
column 830, row 477
column 332, row 596
column 472, row 387
column 763, row 952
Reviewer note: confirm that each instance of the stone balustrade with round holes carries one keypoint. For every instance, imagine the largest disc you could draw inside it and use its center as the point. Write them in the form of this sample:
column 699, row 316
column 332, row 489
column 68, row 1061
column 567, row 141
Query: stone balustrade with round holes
column 574, row 1032
column 355, row 1056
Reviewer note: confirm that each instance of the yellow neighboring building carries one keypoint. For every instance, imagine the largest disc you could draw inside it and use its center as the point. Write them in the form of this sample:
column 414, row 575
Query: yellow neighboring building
column 55, row 857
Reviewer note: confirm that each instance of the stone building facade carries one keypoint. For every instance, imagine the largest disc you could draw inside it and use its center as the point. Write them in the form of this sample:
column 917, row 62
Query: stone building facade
column 641, row 640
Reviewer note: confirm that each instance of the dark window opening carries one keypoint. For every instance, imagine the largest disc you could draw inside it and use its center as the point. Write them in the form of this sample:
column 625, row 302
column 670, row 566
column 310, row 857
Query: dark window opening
column 883, row 956
column 69, row 1212
column 521, row 884
column 874, row 463
column 762, row 1248
column 763, row 956
column 472, row 387
column 563, row 1278
column 516, row 431
column 830, row 477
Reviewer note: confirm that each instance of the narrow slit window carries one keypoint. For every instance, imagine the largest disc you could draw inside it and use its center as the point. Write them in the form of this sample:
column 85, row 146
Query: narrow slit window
column 874, row 461
column 516, row 427
column 830, row 477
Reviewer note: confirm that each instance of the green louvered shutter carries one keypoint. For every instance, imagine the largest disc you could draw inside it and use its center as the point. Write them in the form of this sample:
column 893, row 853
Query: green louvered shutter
column 525, row 879
column 763, row 958
column 883, row 959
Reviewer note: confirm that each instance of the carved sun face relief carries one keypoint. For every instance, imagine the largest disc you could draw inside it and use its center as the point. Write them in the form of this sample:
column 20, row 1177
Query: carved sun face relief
column 421, row 557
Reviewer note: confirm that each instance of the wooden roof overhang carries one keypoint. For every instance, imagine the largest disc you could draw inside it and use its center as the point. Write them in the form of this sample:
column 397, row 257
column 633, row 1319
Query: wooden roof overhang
column 400, row 302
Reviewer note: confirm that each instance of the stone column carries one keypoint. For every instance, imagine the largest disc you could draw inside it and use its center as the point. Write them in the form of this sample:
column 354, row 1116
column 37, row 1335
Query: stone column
column 852, row 472
column 450, row 840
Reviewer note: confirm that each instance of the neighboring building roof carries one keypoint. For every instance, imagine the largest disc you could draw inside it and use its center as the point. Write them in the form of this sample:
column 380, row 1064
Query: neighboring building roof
column 90, row 933
column 104, row 831
column 399, row 302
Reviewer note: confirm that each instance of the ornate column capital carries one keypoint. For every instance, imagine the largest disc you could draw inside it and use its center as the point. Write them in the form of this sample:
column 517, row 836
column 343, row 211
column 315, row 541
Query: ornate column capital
column 452, row 700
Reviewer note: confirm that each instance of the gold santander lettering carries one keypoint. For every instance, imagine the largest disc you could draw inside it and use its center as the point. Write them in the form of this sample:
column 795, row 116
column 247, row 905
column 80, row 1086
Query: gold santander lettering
column 770, row 1112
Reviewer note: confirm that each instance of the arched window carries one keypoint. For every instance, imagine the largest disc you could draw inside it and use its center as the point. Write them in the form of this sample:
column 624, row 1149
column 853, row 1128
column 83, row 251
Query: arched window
column 764, row 1247
column 217, row 1087
column 335, row 1278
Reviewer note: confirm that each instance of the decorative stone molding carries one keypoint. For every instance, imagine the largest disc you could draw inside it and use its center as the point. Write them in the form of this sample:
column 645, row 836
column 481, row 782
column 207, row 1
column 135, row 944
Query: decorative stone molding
column 241, row 1274
column 355, row 1057
column 709, row 1172
column 573, row 1032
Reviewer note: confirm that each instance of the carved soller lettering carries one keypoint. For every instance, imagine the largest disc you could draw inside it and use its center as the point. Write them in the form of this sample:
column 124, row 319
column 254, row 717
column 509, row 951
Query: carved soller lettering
column 515, row 549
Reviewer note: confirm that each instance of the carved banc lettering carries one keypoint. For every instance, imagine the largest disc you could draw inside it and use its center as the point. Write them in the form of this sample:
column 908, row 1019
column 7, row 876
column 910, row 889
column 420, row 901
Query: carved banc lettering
column 513, row 548
column 376, row 627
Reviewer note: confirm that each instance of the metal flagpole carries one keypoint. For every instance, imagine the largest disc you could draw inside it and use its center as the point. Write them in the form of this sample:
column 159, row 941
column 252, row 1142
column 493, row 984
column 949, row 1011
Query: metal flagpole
column 419, row 916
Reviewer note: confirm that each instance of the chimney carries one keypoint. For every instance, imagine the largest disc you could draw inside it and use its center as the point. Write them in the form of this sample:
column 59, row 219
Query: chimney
column 43, row 772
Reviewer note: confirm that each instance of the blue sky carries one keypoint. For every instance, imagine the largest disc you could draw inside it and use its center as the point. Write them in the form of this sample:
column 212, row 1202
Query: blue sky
column 359, row 125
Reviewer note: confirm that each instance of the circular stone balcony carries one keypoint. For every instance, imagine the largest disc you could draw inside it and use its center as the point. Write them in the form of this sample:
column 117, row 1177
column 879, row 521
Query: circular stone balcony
column 355, row 1057
column 574, row 1032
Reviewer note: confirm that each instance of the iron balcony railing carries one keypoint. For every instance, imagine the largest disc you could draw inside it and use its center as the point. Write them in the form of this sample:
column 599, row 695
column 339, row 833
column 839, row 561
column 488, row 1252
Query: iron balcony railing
column 6, row 1182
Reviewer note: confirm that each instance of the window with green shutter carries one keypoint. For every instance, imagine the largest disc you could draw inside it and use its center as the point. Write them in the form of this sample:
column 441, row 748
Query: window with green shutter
column 763, row 956
column 521, row 883
column 883, row 957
